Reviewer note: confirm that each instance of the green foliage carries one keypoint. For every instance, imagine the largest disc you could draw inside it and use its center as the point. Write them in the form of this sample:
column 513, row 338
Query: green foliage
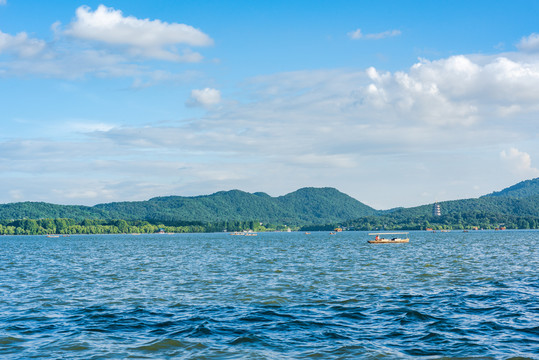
column 456, row 221
column 308, row 205
column 120, row 226
column 41, row 210
column 523, row 189
column 516, row 207
column 308, row 208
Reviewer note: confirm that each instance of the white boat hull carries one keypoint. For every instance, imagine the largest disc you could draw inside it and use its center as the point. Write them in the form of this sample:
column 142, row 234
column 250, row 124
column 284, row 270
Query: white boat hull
column 388, row 241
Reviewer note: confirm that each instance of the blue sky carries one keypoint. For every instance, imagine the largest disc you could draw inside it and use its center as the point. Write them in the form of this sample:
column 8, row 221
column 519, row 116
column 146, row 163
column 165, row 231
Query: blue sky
column 394, row 103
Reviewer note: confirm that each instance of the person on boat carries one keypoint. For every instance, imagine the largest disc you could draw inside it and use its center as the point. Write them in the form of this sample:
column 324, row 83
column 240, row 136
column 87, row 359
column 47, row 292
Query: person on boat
column 377, row 237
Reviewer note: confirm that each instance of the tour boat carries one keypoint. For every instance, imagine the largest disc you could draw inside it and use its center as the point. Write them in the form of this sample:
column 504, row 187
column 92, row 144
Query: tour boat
column 379, row 239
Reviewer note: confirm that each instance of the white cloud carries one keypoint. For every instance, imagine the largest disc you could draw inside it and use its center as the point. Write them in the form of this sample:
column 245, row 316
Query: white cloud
column 73, row 65
column 3, row 2
column 358, row 34
column 383, row 35
column 434, row 121
column 141, row 37
column 112, row 45
column 458, row 90
column 20, row 45
column 519, row 162
column 356, row 130
column 89, row 127
column 205, row 97
column 355, row 34
column 529, row 43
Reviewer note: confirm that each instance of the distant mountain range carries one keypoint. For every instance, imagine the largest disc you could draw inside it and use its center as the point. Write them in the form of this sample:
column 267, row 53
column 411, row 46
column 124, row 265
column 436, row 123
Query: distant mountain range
column 521, row 199
column 522, row 190
column 304, row 206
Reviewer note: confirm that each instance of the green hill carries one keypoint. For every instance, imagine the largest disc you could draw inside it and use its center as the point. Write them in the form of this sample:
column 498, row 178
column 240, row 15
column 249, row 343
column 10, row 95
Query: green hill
column 319, row 206
column 521, row 199
column 489, row 205
column 41, row 210
column 515, row 207
column 313, row 205
column 304, row 206
column 522, row 190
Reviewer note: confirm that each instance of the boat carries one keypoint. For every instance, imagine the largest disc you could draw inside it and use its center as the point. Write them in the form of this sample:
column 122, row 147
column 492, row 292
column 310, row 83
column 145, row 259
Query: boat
column 379, row 239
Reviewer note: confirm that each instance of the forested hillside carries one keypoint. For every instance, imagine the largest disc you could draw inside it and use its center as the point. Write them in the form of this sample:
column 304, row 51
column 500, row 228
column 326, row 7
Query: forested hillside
column 41, row 210
column 313, row 208
column 528, row 206
column 305, row 206
column 516, row 207
column 522, row 190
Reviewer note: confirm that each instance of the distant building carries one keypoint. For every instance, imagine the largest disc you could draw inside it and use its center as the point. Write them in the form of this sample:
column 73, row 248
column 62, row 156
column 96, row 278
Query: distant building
column 436, row 210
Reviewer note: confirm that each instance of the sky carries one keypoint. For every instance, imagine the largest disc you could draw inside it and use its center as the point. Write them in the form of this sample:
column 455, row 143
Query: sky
column 395, row 103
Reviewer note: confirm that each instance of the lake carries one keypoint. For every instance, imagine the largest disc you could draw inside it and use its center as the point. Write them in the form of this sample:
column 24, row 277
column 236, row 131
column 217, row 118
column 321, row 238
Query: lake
column 271, row 296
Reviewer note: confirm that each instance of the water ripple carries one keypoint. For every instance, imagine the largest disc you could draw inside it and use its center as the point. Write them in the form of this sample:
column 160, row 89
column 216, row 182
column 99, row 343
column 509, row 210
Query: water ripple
column 275, row 296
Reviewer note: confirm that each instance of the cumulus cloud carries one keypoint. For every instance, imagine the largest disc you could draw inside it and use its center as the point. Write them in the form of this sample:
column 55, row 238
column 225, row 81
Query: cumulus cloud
column 358, row 34
column 141, row 37
column 529, row 43
column 323, row 127
column 519, row 162
column 20, row 45
column 313, row 123
column 457, row 90
column 104, row 43
column 453, row 103
column 206, row 97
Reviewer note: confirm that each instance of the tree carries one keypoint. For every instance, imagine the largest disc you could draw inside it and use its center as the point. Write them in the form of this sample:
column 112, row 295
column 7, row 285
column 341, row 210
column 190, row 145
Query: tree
column 122, row 226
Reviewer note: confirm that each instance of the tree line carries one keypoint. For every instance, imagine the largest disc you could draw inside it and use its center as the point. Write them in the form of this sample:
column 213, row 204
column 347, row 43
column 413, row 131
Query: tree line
column 459, row 221
column 65, row 226
column 395, row 221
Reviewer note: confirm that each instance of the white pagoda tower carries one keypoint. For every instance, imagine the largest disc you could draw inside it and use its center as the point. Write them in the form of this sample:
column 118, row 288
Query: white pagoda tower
column 436, row 210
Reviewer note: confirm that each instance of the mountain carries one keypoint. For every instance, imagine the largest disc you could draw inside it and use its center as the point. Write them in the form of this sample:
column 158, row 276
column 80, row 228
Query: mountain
column 304, row 206
column 522, row 190
column 312, row 205
column 488, row 205
column 521, row 199
column 42, row 210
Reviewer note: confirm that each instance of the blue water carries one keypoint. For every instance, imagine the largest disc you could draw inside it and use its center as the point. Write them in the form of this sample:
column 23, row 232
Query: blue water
column 273, row 296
